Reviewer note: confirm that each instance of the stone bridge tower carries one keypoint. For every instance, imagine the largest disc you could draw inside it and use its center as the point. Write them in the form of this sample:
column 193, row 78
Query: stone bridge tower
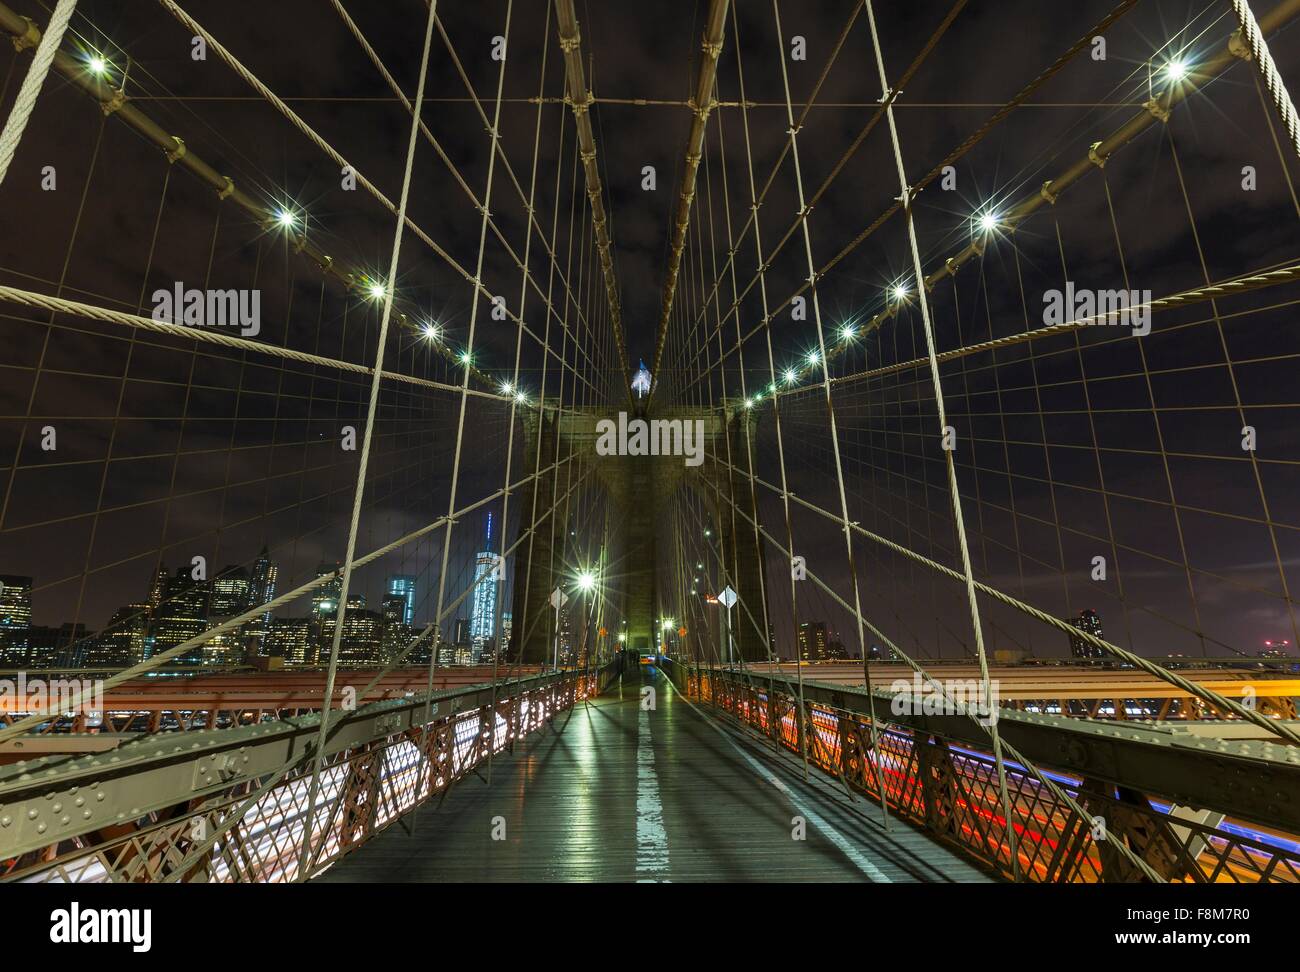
column 641, row 489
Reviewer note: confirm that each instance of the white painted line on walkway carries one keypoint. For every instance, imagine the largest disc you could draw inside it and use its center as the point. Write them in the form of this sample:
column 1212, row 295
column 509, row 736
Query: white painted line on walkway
column 651, row 837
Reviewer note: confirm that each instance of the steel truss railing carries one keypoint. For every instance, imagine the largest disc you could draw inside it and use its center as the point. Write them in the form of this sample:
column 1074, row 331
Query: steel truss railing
column 938, row 778
column 151, row 811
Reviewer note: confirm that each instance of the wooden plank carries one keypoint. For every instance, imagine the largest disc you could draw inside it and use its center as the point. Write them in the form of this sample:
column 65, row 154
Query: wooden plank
column 574, row 801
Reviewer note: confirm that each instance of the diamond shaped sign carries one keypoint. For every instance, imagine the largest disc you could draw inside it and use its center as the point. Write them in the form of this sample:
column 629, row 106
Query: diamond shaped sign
column 727, row 597
column 559, row 599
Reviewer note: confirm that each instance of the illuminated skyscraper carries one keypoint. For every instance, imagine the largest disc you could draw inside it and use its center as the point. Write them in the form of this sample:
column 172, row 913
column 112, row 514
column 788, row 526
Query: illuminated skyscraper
column 230, row 590
column 122, row 643
column 487, row 580
column 261, row 587
column 1086, row 621
column 182, row 615
column 403, row 585
column 813, row 641
column 641, row 381
column 15, row 617
column 326, row 598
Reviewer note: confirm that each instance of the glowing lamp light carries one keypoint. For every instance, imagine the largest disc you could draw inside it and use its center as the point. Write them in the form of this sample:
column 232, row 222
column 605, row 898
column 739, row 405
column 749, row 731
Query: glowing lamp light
column 431, row 332
column 286, row 218
column 848, row 333
column 1176, row 70
column 376, row 290
column 521, row 398
column 899, row 291
column 790, row 376
column 465, row 358
column 586, row 580
column 988, row 222
column 507, row 388
column 97, row 65
column 813, row 357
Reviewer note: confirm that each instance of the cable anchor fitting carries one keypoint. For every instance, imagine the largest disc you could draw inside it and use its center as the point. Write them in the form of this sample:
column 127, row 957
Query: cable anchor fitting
column 114, row 103
column 178, row 152
column 28, row 38
column 1158, row 110
column 1237, row 46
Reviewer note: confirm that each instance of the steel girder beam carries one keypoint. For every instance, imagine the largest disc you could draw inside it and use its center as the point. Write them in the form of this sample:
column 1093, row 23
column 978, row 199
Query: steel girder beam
column 580, row 100
column 701, row 104
column 1251, row 780
column 44, row 801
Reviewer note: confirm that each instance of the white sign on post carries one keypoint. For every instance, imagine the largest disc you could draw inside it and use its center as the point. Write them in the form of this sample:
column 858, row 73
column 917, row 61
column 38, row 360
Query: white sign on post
column 728, row 597
column 559, row 599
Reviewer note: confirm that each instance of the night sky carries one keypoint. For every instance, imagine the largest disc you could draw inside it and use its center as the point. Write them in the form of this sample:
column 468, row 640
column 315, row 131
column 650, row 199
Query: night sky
column 1069, row 447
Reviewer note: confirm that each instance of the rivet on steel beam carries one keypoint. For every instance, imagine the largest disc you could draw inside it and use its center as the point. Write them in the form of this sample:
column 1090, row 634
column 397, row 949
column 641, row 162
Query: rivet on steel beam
column 1097, row 160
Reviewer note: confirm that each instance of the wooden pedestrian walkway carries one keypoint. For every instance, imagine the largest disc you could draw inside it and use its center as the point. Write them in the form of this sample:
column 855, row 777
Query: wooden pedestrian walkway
column 619, row 792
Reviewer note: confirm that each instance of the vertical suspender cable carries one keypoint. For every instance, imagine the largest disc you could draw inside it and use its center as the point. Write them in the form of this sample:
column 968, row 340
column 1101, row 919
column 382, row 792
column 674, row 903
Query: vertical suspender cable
column 1263, row 58
column 835, row 436
column 494, row 134
column 31, row 87
column 358, row 493
column 958, row 521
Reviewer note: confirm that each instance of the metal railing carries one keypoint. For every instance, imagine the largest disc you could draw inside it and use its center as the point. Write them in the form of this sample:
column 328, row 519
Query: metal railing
column 90, row 822
column 937, row 779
